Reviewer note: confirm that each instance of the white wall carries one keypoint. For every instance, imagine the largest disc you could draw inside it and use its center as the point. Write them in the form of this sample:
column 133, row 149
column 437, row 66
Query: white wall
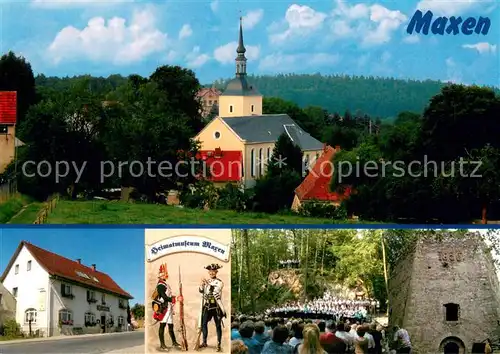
column 79, row 306
column 31, row 289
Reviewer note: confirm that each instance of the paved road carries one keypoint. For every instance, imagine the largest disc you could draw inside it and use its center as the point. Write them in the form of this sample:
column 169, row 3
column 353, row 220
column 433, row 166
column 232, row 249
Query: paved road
column 85, row 345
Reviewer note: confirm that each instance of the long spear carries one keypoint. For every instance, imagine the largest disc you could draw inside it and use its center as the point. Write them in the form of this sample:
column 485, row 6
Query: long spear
column 184, row 343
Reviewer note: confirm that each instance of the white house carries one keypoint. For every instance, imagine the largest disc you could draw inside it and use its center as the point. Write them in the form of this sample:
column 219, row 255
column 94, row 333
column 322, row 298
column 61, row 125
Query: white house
column 62, row 296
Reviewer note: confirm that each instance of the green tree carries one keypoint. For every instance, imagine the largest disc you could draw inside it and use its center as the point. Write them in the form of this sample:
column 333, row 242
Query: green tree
column 16, row 75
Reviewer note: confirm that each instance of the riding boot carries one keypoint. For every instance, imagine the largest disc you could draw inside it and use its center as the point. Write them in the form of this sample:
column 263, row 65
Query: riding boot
column 172, row 335
column 161, row 335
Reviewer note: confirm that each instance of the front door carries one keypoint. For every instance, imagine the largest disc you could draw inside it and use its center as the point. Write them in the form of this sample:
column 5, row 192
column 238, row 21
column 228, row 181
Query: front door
column 103, row 323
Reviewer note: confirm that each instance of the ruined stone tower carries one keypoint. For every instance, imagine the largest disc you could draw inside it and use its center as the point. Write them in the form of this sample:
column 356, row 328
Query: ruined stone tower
column 445, row 294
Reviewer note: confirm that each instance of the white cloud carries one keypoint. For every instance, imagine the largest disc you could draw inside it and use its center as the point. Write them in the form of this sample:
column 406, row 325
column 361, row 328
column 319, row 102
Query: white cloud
column 482, row 47
column 252, row 18
column 279, row 62
column 195, row 59
column 76, row 3
column 299, row 21
column 413, row 38
column 186, row 31
column 227, row 53
column 452, row 8
column 370, row 24
column 114, row 41
column 214, row 5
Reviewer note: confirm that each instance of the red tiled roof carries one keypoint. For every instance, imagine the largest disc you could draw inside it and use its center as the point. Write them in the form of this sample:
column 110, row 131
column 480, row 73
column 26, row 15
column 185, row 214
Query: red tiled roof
column 225, row 166
column 60, row 266
column 316, row 185
column 206, row 90
column 8, row 107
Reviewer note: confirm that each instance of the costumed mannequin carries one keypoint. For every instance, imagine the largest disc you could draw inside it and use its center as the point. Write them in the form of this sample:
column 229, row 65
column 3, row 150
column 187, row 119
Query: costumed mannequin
column 212, row 306
column 163, row 307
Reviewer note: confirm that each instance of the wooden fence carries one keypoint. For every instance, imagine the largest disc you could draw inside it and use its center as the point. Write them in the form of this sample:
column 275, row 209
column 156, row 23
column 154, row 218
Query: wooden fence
column 47, row 208
column 8, row 190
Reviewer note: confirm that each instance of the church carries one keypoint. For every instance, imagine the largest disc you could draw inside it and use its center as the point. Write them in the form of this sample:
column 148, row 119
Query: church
column 238, row 143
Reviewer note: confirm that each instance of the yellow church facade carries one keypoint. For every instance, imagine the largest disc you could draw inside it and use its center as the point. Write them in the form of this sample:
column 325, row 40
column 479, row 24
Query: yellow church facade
column 242, row 126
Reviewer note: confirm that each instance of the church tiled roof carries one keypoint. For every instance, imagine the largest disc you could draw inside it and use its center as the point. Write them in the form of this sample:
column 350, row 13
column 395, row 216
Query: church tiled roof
column 267, row 129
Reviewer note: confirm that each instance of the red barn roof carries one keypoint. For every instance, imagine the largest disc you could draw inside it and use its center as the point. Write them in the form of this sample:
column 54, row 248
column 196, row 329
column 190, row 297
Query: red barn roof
column 224, row 166
column 8, row 107
column 316, row 185
column 62, row 267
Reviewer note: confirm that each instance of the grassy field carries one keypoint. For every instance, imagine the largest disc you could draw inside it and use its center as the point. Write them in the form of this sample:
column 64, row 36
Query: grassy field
column 12, row 207
column 101, row 212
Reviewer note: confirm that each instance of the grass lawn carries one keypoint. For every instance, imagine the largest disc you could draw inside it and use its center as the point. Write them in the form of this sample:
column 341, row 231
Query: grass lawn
column 12, row 207
column 102, row 212
column 28, row 215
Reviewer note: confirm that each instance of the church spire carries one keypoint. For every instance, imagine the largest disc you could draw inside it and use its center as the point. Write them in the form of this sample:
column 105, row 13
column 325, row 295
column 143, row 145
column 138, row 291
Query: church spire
column 241, row 60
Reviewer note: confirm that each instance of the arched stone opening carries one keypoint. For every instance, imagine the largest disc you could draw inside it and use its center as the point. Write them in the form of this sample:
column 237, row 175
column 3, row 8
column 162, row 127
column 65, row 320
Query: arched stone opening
column 452, row 345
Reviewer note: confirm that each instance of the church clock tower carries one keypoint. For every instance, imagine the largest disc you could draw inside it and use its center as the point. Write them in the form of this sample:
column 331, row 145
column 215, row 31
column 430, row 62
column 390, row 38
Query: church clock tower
column 240, row 98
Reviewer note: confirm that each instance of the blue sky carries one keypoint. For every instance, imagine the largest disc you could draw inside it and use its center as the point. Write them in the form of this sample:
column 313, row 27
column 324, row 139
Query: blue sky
column 102, row 37
column 117, row 252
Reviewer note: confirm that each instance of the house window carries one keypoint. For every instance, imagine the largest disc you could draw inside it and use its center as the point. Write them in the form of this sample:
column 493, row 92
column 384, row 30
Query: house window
column 230, row 108
column 217, row 135
column 65, row 317
column 251, row 108
column 452, row 312
column 252, row 163
column 17, row 269
column 90, row 296
column 14, row 292
column 66, row 290
column 210, row 103
column 30, row 315
column 215, row 102
column 28, row 266
column 89, row 319
column 103, row 299
column 121, row 320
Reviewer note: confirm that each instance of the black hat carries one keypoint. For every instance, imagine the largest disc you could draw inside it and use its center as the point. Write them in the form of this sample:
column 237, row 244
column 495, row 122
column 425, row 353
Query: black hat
column 213, row 266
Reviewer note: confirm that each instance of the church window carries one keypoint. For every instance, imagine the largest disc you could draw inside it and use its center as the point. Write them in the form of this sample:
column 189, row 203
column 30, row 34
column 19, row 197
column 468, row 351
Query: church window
column 268, row 156
column 452, row 312
column 28, row 266
column 230, row 108
column 252, row 163
column 261, row 162
column 251, row 108
column 217, row 135
column 306, row 162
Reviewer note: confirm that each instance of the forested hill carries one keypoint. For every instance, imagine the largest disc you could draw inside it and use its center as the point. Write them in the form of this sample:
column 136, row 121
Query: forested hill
column 377, row 97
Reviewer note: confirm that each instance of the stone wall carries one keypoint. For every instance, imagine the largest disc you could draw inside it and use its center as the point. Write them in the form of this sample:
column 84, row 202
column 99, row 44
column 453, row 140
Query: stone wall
column 457, row 271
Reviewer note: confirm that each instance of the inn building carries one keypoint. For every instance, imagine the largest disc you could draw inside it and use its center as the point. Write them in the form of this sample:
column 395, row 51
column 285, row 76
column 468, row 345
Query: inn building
column 59, row 296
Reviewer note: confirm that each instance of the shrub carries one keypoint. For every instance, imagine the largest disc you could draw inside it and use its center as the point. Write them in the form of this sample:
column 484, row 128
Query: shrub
column 319, row 209
column 12, row 329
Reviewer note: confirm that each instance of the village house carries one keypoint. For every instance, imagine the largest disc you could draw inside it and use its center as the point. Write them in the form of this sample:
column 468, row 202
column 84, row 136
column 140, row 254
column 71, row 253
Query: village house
column 8, row 117
column 59, row 296
column 315, row 188
column 7, row 305
column 209, row 99
column 242, row 136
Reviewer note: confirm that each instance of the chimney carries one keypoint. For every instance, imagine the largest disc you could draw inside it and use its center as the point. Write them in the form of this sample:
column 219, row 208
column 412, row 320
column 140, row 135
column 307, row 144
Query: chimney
column 93, row 267
column 79, row 260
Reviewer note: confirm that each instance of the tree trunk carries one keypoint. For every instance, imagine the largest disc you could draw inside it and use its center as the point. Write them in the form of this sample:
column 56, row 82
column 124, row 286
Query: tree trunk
column 306, row 265
column 484, row 216
column 386, row 277
column 325, row 235
column 240, row 270
column 247, row 261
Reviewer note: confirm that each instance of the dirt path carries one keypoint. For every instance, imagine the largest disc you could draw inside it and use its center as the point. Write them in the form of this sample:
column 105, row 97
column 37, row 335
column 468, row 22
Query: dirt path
column 19, row 213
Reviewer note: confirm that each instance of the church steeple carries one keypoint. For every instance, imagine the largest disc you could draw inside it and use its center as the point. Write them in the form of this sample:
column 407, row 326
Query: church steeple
column 241, row 60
